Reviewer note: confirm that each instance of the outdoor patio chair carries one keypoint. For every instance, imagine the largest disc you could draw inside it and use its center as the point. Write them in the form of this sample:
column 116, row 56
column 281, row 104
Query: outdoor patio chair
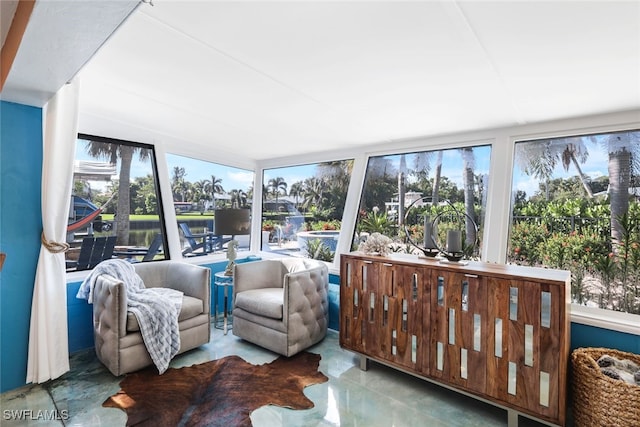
column 154, row 247
column 92, row 251
column 148, row 254
column 200, row 243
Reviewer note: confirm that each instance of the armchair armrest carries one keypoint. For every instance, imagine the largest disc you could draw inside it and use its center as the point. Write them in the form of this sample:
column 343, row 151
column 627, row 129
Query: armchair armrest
column 109, row 306
column 306, row 297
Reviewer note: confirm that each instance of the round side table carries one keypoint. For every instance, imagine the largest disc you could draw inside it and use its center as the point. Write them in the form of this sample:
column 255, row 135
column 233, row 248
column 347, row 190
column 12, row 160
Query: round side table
column 226, row 282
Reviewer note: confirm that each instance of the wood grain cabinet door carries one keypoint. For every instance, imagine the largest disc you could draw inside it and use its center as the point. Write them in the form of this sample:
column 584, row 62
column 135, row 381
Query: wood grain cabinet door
column 458, row 329
column 524, row 341
column 351, row 309
column 402, row 313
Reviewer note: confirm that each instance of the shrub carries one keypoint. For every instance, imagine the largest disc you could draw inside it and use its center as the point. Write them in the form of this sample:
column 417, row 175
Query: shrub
column 316, row 249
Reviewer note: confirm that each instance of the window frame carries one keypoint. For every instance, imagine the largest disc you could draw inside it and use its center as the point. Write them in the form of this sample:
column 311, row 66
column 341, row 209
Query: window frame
column 155, row 172
column 578, row 308
column 259, row 201
column 171, row 216
column 499, row 216
column 426, row 148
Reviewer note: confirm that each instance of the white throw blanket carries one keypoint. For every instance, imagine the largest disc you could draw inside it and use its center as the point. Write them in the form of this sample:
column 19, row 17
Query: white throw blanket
column 156, row 309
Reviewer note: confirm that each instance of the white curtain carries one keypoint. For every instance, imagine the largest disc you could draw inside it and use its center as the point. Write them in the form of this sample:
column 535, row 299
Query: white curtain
column 48, row 340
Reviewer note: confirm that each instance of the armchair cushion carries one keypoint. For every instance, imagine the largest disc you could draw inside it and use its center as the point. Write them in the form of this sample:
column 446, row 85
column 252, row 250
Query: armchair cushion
column 191, row 307
column 265, row 302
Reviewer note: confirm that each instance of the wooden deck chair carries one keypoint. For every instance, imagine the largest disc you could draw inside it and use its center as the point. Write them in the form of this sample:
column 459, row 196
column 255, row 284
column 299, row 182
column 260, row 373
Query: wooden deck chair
column 154, row 247
column 92, row 251
column 195, row 247
column 147, row 254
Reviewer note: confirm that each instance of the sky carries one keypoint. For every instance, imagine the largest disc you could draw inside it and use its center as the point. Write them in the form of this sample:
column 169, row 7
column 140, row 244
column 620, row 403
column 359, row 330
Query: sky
column 196, row 170
column 291, row 174
column 595, row 167
column 235, row 178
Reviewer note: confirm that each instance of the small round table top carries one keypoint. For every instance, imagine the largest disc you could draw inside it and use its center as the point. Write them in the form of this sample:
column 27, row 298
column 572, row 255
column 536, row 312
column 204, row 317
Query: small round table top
column 221, row 279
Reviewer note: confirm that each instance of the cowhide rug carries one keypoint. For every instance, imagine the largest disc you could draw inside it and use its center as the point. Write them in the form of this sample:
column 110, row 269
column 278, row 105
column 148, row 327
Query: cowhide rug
column 217, row 393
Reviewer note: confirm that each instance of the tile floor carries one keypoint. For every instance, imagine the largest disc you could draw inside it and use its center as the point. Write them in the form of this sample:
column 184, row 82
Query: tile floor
column 380, row 396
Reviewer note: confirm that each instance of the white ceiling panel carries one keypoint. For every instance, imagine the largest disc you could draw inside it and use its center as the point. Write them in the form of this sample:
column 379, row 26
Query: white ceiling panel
column 60, row 38
column 269, row 79
column 565, row 58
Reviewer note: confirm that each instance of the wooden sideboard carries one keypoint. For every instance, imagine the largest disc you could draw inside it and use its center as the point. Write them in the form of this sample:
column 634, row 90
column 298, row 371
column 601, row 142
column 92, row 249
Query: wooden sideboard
column 497, row 332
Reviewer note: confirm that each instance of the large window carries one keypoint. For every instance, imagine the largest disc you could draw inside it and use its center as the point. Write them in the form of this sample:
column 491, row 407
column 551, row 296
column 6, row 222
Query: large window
column 405, row 195
column 212, row 204
column 576, row 206
column 302, row 208
column 114, row 209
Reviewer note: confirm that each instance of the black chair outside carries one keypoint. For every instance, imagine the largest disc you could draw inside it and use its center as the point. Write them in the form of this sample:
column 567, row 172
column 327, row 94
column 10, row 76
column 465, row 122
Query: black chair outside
column 92, row 251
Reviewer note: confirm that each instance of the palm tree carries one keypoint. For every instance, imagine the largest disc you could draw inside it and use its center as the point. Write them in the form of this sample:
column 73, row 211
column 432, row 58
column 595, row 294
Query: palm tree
column 539, row 158
column 201, row 192
column 314, row 192
column 276, row 185
column 113, row 151
column 468, row 176
column 297, row 191
column 215, row 186
column 435, row 193
column 421, row 168
column 575, row 152
column 336, row 176
column 178, row 183
column 238, row 199
column 624, row 148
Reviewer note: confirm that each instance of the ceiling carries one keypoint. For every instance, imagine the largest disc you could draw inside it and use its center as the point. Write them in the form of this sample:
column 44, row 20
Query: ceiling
column 270, row 79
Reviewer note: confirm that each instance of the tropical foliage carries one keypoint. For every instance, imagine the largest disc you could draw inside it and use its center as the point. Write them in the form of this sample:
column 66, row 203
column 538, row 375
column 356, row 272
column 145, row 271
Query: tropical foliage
column 390, row 179
column 123, row 153
column 588, row 226
column 311, row 204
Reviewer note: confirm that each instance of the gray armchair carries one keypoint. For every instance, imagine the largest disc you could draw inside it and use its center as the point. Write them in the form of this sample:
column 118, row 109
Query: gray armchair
column 118, row 340
column 281, row 305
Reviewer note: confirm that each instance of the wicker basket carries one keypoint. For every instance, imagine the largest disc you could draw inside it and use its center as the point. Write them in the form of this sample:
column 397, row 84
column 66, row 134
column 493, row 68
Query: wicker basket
column 599, row 400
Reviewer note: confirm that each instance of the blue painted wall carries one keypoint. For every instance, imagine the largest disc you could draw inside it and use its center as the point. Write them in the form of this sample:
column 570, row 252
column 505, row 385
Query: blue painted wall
column 20, row 228
column 591, row 336
column 79, row 320
column 334, row 302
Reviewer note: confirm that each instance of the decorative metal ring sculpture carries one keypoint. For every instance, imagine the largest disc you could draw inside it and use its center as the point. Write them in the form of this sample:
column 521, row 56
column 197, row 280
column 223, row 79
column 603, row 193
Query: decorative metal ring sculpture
column 453, row 248
column 428, row 248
